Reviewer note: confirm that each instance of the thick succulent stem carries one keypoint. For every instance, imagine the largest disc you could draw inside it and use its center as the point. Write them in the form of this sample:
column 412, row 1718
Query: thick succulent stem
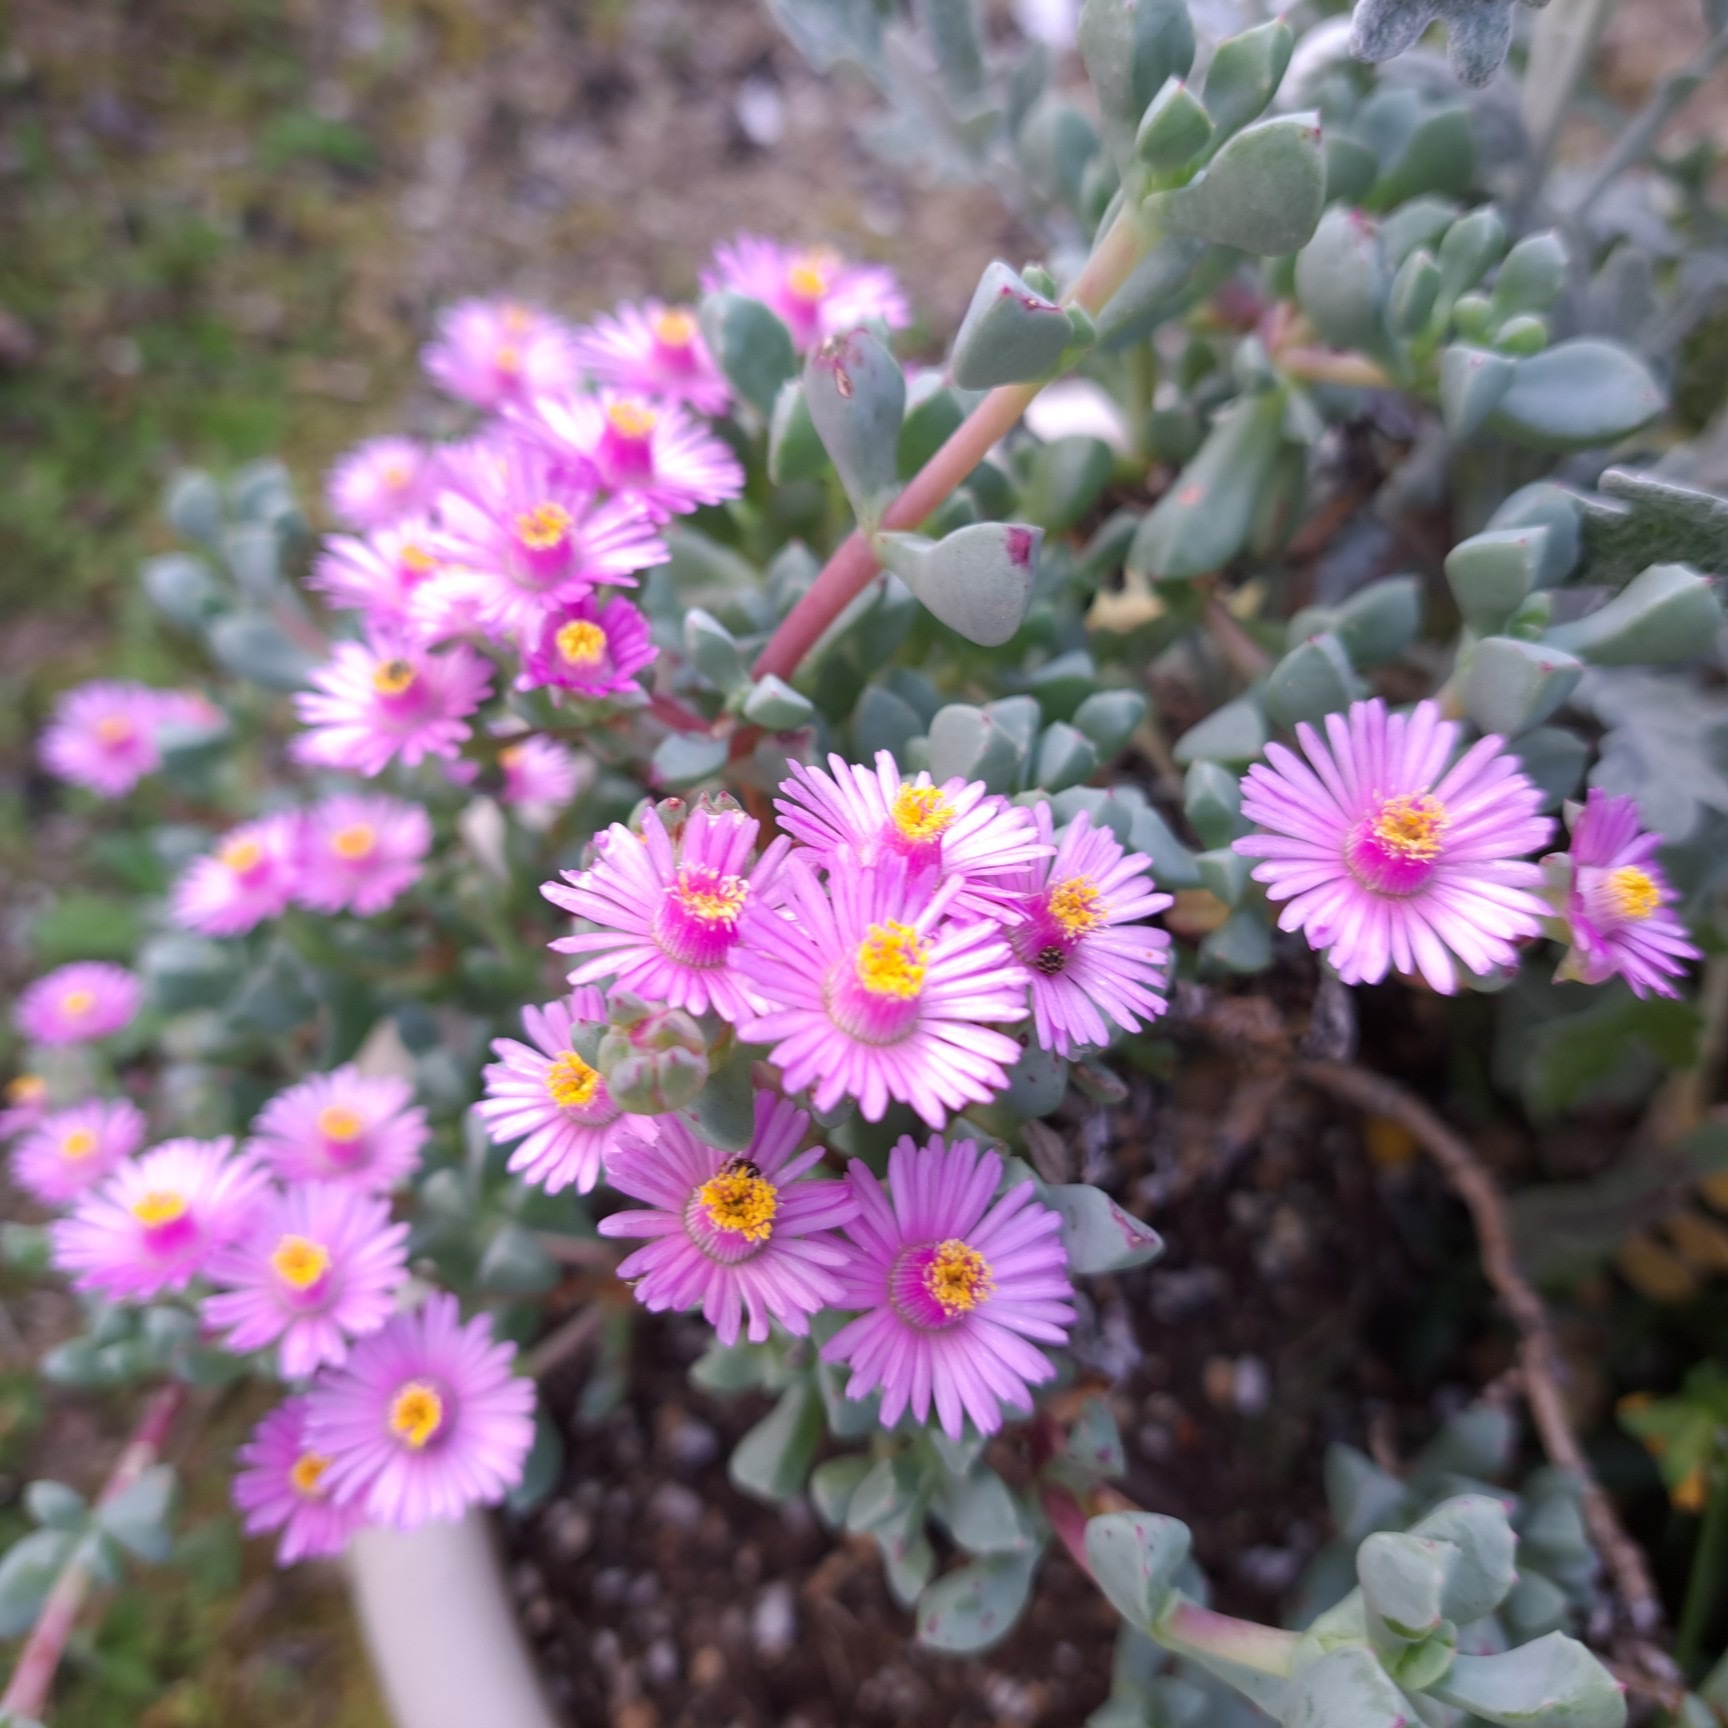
column 850, row 570
column 1190, row 1630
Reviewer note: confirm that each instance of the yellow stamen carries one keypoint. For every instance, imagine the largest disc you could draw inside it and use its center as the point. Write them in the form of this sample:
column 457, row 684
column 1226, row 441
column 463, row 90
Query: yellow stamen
column 77, row 1002
column 508, row 358
column 510, row 755
column 1412, row 826
column 582, row 643
column 392, row 677
column 631, row 419
column 921, row 812
column 1074, row 905
column 571, row 1082
column 416, row 1413
column 737, row 1201
column 417, row 559
column 111, row 729
column 339, row 1122
column 892, row 961
column 80, row 1143
column 516, row 320
column 810, row 275
column 544, row 527
column 300, row 1262
column 718, row 903
column 354, row 842
column 1691, row 1491
column 1632, row 894
column 958, row 1277
column 159, row 1206
column 26, row 1089
column 240, row 855
column 307, row 1475
column 675, row 328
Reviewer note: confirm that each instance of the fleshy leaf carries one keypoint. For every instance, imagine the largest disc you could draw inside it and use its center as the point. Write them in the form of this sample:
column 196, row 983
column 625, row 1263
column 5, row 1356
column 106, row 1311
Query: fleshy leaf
column 1554, row 1682
column 1313, row 680
column 1346, row 1688
column 773, row 1459
column 750, row 345
column 1097, row 1235
column 1511, row 685
column 1131, row 47
column 856, row 393
column 1262, row 193
column 1245, row 73
column 1577, row 395
column 977, row 580
column 1490, row 574
column 976, row 1606
column 1010, row 334
column 1135, row 1557
column 1341, row 281
column 1668, row 614
column 1643, row 519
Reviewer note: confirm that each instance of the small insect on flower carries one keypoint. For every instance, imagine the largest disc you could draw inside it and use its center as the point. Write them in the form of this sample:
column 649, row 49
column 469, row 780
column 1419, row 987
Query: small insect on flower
column 77, row 1149
column 365, row 1132
column 281, row 1485
column 78, row 1003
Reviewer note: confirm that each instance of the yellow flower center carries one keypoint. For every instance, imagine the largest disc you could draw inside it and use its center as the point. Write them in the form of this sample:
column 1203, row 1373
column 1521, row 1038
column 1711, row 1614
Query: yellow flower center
column 675, row 328
column 508, row 358
column 112, row 729
column 80, row 1143
column 632, row 419
column 299, row 1262
column 718, row 902
column 809, row 276
column 510, row 755
column 921, row 812
column 397, row 474
column 77, row 1002
column 892, row 961
column 159, row 1206
column 571, row 1082
column 354, row 842
column 339, row 1122
column 392, row 677
column 958, row 1277
column 1411, row 826
column 307, row 1475
column 416, row 1413
column 544, row 527
column 1631, row 893
column 26, row 1089
column 1074, row 905
column 582, row 643
column 741, row 1200
column 417, row 559
column 240, row 855
column 517, row 320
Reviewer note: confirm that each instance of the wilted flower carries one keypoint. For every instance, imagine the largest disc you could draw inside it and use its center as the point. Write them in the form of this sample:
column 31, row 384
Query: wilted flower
column 75, row 1004
column 592, row 650
column 25, row 1104
column 952, row 1288
column 377, row 483
column 359, row 851
column 77, row 1148
column 653, row 350
column 342, row 1126
column 251, row 876
column 490, row 352
column 815, row 291
column 280, row 1486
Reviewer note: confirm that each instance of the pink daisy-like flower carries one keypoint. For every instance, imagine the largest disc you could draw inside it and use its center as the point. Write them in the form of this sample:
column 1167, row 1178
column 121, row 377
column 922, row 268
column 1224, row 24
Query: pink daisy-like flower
column 545, row 1095
column 74, row 1004
column 381, row 575
column 656, row 455
column 424, row 1419
column 366, row 1132
column 379, row 482
column 952, row 1286
column 380, row 700
column 654, row 350
column 319, row 1265
column 77, row 1148
column 591, row 650
column 523, row 532
column 958, row 829
column 358, row 852
column 1618, row 903
column 873, row 992
column 103, row 736
column 155, row 1223
column 540, row 772
column 26, row 1105
column 1387, row 857
column 252, row 875
column 815, row 292
column 490, row 352
column 1078, row 933
column 669, row 916
column 741, row 1235
column 280, row 1486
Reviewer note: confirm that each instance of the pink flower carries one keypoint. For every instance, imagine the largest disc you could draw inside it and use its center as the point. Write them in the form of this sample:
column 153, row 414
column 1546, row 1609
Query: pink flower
column 379, row 482
column 379, row 701
column 654, row 350
column 154, row 1224
column 490, row 352
column 658, row 456
column 280, row 1486
column 957, row 829
column 815, row 292
column 340, row 1127
column 873, row 993
column 26, row 1101
column 424, row 1419
column 591, row 650
column 1387, row 857
column 540, row 772
column 382, row 575
column 1618, row 903
column 359, row 852
column 952, row 1287
column 739, row 1235
column 77, row 1148
column 524, row 533
column 78, row 1003
column 103, row 736
column 545, row 1095
column 251, row 876
column 1078, row 933
column 669, row 916
column 320, row 1265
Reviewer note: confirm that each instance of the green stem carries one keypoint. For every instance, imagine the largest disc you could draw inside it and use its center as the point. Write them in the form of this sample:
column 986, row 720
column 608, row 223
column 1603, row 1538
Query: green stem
column 1708, row 1561
column 1190, row 1630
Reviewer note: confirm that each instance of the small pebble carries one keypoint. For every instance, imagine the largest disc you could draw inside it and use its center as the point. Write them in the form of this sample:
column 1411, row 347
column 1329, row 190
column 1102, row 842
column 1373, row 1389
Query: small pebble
column 672, row 1503
column 569, row 1530
column 691, row 1444
column 774, row 1626
column 661, row 1662
column 610, row 1583
column 1253, row 1386
column 707, row 1667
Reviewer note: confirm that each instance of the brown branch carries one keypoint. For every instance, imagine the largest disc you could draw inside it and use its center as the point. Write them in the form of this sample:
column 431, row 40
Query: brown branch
column 1539, row 1359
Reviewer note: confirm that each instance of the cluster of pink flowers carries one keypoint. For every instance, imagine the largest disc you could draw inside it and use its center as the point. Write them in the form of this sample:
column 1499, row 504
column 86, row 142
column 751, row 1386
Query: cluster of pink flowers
column 353, row 852
column 107, row 735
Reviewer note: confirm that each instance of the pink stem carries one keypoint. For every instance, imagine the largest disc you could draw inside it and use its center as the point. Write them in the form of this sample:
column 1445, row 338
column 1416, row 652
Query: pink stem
column 27, row 1692
column 848, row 572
